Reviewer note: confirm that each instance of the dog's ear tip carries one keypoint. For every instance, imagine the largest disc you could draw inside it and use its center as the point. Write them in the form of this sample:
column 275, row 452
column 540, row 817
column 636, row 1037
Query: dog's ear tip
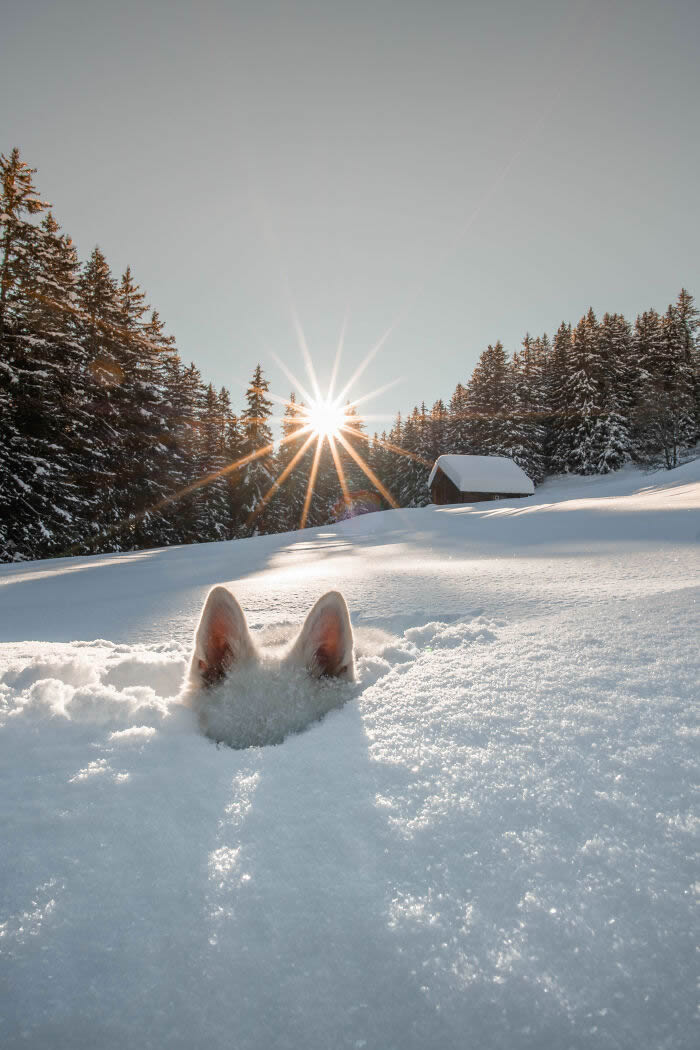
column 221, row 602
column 219, row 593
column 333, row 598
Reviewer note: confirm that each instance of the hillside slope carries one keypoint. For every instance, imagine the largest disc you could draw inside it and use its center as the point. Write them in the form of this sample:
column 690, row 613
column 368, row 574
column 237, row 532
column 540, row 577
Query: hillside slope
column 493, row 843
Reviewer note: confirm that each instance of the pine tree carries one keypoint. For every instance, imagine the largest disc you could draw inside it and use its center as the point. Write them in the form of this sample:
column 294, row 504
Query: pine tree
column 648, row 353
column 232, row 450
column 394, row 459
column 457, row 432
column 144, row 486
column 178, row 475
column 40, row 376
column 404, row 481
column 388, row 460
column 527, row 432
column 100, row 306
column 665, row 422
column 105, row 460
column 583, row 391
column 213, row 496
column 164, row 456
column 686, row 321
column 326, row 496
column 19, row 239
column 422, row 465
column 18, row 200
column 410, row 486
column 560, row 420
column 137, row 459
column 491, row 398
column 185, row 396
column 438, row 429
column 287, row 503
column 257, row 474
column 356, row 481
column 56, row 426
column 613, row 439
column 382, row 459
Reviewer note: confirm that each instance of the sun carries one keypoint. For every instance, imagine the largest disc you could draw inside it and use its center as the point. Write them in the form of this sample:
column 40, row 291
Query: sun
column 324, row 421
column 325, row 418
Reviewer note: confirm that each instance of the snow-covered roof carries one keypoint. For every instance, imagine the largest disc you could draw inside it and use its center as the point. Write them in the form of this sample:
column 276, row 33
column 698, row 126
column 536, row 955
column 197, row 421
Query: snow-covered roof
column 484, row 474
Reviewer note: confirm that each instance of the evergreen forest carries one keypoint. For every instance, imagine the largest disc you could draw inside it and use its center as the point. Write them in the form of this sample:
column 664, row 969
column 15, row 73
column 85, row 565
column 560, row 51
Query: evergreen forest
column 109, row 441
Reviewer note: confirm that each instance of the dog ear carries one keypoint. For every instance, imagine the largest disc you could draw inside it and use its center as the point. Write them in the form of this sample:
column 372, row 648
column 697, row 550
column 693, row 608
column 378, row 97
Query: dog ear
column 222, row 638
column 325, row 643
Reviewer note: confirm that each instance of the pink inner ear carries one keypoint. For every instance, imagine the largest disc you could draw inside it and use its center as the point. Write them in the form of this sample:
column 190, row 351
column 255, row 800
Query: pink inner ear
column 328, row 647
column 324, row 644
column 219, row 658
column 218, row 647
column 220, row 637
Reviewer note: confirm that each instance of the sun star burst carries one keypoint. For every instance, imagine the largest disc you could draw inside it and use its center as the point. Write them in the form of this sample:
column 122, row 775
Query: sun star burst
column 329, row 419
column 325, row 417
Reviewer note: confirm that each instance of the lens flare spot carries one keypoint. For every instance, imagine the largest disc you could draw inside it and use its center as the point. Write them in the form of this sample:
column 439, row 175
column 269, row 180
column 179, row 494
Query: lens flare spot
column 325, row 417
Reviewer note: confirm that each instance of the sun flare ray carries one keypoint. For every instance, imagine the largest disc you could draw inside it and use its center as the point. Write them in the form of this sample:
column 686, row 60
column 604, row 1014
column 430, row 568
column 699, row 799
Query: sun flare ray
column 338, row 355
column 368, row 472
column 306, row 354
column 370, row 355
column 279, row 481
column 394, row 448
column 292, row 378
column 311, row 483
column 339, row 469
column 374, row 393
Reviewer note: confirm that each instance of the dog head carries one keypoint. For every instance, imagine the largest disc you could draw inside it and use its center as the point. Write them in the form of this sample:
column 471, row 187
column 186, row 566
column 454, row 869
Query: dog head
column 244, row 695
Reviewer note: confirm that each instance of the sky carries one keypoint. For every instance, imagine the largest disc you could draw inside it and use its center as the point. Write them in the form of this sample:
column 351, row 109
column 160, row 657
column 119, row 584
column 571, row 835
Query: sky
column 449, row 173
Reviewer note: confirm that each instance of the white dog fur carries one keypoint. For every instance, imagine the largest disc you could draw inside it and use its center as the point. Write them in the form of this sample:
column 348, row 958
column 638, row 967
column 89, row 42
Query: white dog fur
column 245, row 696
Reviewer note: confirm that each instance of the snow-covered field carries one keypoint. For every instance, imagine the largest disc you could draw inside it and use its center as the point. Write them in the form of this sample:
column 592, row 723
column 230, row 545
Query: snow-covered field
column 493, row 844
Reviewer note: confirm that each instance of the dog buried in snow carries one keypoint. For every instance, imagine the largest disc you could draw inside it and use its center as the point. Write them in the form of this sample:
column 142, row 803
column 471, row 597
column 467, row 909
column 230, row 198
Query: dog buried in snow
column 245, row 696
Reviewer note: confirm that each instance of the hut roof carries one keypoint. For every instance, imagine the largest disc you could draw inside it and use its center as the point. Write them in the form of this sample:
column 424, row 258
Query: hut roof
column 484, row 474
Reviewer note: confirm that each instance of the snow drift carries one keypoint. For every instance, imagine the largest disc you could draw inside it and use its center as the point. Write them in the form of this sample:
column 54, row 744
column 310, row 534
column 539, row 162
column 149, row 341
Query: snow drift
column 492, row 844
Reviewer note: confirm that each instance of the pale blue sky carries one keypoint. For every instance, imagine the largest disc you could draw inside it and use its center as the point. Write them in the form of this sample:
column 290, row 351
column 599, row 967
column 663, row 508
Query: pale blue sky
column 467, row 170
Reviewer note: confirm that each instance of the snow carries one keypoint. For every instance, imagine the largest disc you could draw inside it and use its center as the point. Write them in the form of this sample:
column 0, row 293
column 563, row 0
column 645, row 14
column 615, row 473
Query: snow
column 484, row 474
column 492, row 843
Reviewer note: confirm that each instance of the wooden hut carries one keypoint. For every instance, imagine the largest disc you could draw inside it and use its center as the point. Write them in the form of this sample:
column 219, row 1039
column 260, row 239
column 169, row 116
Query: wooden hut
column 473, row 479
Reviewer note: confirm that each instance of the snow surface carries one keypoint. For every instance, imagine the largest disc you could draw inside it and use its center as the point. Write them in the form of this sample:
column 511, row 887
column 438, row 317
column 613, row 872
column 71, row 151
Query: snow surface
column 493, row 843
column 483, row 474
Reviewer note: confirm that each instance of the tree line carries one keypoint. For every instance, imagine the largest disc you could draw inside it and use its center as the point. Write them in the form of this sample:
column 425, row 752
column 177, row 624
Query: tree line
column 600, row 394
column 110, row 442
